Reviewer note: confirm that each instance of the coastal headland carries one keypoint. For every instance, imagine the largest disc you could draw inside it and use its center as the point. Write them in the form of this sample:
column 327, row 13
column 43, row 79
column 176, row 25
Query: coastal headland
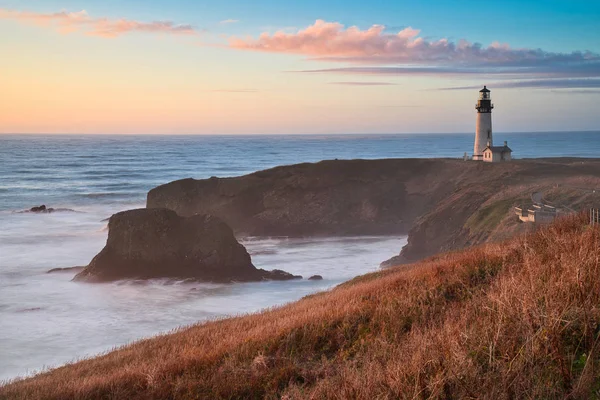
column 440, row 327
column 441, row 204
column 517, row 319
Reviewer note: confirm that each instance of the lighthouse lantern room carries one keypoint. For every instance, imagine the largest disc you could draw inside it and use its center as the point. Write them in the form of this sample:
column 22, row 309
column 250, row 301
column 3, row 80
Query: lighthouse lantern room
column 483, row 127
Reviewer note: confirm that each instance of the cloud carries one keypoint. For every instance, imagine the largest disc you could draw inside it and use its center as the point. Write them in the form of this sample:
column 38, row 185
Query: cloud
column 234, row 91
column 570, row 70
column 363, row 83
column 107, row 28
column 230, row 21
column 332, row 42
column 374, row 51
column 67, row 22
column 538, row 84
column 576, row 91
column 393, row 71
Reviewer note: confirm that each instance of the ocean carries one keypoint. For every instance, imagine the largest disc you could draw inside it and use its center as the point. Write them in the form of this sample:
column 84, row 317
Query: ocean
column 46, row 320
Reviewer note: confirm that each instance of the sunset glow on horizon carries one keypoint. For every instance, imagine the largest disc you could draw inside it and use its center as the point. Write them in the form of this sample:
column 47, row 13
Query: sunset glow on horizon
column 186, row 67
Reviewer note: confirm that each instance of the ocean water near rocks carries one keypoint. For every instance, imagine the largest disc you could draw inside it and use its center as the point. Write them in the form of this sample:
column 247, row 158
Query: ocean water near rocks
column 47, row 320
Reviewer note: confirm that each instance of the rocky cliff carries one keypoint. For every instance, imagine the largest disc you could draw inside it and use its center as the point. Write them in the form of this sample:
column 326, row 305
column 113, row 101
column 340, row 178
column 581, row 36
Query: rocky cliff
column 442, row 204
column 157, row 243
column 356, row 197
column 482, row 209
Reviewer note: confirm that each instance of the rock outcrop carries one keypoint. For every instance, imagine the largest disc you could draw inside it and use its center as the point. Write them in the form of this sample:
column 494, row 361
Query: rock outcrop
column 69, row 269
column 354, row 197
column 442, row 204
column 157, row 243
column 45, row 210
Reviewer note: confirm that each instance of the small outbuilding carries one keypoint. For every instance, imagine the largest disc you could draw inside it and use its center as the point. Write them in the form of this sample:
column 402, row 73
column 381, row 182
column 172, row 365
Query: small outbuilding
column 497, row 153
column 538, row 213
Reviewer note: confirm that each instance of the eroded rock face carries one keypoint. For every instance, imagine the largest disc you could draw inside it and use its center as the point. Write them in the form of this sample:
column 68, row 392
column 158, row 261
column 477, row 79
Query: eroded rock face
column 345, row 197
column 157, row 243
column 442, row 204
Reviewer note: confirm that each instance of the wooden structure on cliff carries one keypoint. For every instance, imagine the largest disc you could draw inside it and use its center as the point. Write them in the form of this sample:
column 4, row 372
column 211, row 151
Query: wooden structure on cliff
column 594, row 216
column 537, row 214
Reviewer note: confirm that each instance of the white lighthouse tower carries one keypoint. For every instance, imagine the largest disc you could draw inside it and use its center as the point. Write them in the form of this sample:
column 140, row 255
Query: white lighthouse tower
column 483, row 128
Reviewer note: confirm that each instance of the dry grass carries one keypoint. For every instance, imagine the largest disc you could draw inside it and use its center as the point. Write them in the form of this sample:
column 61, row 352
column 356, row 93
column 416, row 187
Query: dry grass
column 518, row 320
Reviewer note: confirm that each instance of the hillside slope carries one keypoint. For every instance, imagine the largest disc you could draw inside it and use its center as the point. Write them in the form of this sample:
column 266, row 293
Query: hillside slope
column 442, row 204
column 516, row 320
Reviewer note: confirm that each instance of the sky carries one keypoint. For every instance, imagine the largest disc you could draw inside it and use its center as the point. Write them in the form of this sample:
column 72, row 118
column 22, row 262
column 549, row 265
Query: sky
column 277, row 67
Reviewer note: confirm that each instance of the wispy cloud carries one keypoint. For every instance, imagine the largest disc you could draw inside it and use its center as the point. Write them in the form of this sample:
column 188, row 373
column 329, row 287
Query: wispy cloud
column 234, row 91
column 538, row 83
column 574, row 70
column 413, row 54
column 395, row 71
column 229, row 21
column 67, row 22
column 363, row 83
column 577, row 91
column 402, row 106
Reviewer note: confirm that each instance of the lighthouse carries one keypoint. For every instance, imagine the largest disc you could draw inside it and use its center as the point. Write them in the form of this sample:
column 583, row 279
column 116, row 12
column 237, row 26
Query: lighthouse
column 484, row 149
column 483, row 126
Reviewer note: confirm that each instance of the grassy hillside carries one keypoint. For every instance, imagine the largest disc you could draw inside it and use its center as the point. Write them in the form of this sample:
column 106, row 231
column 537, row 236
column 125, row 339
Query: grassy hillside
column 514, row 320
column 485, row 213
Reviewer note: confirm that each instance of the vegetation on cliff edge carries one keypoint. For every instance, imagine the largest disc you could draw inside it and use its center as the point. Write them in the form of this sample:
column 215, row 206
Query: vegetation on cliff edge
column 519, row 319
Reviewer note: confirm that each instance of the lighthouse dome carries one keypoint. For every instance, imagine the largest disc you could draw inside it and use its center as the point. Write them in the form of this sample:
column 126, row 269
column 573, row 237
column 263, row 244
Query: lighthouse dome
column 484, row 90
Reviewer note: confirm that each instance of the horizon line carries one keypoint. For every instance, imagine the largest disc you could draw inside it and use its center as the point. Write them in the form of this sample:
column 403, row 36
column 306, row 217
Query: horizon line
column 287, row 134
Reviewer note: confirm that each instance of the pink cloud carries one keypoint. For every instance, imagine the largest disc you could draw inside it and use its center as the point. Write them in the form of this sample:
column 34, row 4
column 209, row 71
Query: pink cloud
column 352, row 83
column 321, row 39
column 331, row 41
column 67, row 22
column 108, row 28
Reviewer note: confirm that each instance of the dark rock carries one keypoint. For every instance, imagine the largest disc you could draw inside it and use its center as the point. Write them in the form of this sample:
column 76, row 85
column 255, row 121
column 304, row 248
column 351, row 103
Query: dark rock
column 45, row 210
column 279, row 275
column 442, row 204
column 157, row 243
column 69, row 269
column 392, row 262
column 345, row 197
column 315, row 278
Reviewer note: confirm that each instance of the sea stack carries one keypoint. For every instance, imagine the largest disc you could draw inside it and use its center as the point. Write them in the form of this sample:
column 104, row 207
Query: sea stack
column 157, row 243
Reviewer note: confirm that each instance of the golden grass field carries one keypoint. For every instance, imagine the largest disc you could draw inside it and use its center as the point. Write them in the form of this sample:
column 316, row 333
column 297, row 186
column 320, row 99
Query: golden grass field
column 516, row 320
